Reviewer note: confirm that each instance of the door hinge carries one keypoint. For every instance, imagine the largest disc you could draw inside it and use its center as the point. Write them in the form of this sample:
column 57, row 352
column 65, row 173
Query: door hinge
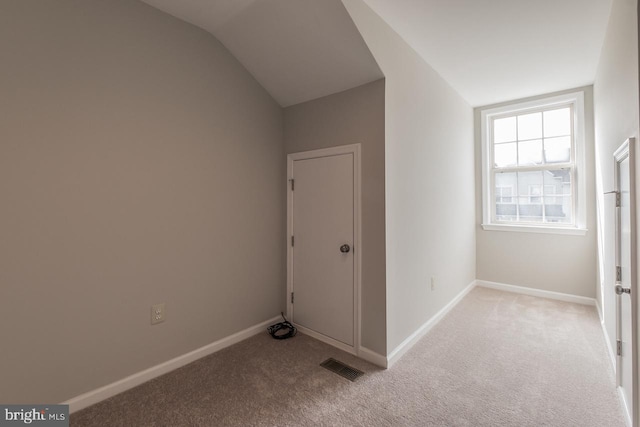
column 618, row 198
column 618, row 273
column 618, row 343
column 292, row 241
column 292, row 184
column 291, row 297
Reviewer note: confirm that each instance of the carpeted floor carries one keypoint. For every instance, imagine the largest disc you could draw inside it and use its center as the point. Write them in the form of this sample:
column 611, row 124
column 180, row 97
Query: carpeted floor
column 497, row 359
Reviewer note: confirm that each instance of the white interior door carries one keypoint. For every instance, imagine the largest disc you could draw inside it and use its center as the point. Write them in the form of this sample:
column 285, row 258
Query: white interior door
column 625, row 278
column 322, row 258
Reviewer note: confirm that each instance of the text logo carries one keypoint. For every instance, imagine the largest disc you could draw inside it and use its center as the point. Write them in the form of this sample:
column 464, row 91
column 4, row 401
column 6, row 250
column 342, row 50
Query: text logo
column 34, row 415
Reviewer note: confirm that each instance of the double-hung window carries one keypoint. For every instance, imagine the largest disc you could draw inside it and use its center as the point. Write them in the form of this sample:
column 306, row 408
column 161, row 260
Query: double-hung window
column 533, row 166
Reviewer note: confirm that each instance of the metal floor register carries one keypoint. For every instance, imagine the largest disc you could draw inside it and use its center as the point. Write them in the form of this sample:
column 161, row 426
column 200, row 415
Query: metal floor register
column 341, row 369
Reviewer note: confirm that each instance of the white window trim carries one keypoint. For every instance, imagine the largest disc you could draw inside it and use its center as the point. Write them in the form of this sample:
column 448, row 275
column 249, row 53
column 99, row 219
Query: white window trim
column 575, row 98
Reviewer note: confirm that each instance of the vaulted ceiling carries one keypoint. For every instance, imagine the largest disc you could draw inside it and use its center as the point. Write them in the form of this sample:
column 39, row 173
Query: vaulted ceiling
column 489, row 51
column 499, row 50
column 297, row 49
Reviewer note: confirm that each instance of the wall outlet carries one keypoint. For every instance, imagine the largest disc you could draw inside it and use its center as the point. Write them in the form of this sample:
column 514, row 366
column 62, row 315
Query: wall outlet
column 157, row 313
column 433, row 283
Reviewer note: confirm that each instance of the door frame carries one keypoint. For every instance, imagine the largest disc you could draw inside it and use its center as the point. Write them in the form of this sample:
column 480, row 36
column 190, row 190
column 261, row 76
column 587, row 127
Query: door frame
column 353, row 149
column 628, row 150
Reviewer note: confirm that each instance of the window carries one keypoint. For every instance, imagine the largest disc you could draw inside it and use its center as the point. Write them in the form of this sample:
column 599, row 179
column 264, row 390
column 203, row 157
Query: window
column 504, row 194
column 533, row 166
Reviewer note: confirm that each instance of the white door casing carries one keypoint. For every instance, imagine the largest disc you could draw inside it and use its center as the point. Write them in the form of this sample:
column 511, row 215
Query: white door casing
column 626, row 287
column 323, row 213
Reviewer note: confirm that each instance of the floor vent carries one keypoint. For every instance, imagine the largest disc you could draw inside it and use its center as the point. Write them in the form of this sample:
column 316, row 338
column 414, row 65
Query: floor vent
column 341, row 369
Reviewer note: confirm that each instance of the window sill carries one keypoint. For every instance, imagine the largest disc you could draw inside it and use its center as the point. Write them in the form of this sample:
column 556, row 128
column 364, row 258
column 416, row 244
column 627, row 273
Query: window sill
column 575, row 231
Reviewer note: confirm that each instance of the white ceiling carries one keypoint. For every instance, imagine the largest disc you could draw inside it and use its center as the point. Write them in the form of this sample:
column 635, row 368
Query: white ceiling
column 297, row 49
column 489, row 51
column 498, row 50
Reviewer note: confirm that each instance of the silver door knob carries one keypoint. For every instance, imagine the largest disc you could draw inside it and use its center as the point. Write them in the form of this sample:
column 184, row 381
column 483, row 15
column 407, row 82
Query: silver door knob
column 620, row 290
column 345, row 248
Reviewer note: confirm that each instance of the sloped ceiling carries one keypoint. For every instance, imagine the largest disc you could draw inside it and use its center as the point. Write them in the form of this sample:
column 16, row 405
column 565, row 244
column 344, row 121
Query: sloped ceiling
column 297, row 49
column 498, row 50
column 489, row 51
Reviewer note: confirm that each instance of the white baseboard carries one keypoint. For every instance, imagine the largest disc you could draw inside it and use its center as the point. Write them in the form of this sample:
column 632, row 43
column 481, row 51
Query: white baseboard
column 612, row 356
column 400, row 350
column 87, row 399
column 373, row 357
column 537, row 292
column 625, row 408
column 607, row 340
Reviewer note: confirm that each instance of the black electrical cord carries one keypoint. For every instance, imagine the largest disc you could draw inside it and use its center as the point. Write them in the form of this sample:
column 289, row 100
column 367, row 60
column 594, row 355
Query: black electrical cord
column 282, row 330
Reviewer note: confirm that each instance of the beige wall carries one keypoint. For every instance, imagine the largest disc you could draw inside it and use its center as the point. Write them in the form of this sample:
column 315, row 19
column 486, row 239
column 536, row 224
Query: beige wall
column 429, row 181
column 349, row 117
column 139, row 163
column 616, row 119
column 551, row 262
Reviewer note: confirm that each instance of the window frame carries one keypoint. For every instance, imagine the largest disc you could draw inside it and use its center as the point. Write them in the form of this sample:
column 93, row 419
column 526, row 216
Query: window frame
column 487, row 115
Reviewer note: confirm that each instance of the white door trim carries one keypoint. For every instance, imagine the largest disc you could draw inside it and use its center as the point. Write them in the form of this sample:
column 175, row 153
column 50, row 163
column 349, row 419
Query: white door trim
column 628, row 150
column 357, row 249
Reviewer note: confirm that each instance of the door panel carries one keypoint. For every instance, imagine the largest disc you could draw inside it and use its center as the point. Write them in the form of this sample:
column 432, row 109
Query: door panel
column 625, row 371
column 323, row 221
column 626, row 286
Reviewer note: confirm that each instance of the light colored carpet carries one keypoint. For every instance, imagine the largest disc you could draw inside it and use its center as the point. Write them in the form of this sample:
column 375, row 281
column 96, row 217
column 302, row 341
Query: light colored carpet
column 497, row 359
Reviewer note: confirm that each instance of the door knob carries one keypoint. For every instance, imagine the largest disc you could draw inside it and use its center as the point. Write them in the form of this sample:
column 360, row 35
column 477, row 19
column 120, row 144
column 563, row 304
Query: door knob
column 345, row 248
column 620, row 290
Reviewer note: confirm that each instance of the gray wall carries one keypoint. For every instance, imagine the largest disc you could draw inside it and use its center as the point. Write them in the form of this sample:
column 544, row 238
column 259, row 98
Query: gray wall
column 349, row 117
column 139, row 163
column 429, row 181
column 551, row 262
column 616, row 119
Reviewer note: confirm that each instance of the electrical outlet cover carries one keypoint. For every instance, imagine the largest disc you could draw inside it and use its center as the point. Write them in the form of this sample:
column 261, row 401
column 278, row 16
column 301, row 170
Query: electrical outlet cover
column 157, row 313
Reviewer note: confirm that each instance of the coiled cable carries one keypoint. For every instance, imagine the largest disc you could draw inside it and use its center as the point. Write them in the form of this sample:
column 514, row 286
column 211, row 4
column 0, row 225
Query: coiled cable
column 282, row 330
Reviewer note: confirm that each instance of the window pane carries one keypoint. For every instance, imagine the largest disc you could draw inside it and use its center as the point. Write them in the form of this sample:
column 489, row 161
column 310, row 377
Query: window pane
column 557, row 122
column 558, row 209
column 535, row 193
column 530, row 126
column 504, row 194
column 549, row 190
column 534, row 196
column 556, row 180
column 559, row 181
column 527, row 181
column 505, row 155
column 557, row 196
column 529, row 212
column 506, row 207
column 530, row 200
column 557, row 150
column 504, row 130
column 530, row 153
